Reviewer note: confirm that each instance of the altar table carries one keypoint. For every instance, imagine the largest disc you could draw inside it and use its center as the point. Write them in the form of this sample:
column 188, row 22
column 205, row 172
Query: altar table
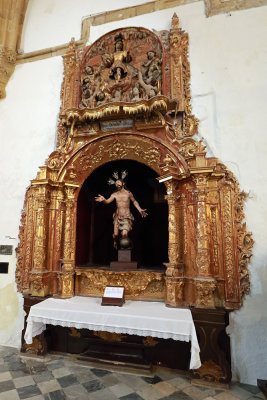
column 134, row 318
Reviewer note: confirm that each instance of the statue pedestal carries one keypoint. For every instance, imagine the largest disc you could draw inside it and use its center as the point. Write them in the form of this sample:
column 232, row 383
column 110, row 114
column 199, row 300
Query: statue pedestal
column 124, row 261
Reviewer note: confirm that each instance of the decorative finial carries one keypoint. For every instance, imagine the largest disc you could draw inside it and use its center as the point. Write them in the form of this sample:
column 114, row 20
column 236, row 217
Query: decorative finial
column 175, row 21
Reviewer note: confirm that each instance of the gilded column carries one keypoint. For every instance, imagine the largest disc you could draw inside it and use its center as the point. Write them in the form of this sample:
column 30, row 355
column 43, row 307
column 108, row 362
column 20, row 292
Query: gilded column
column 174, row 272
column 204, row 284
column 178, row 40
column 39, row 285
column 66, row 275
column 230, row 263
column 55, row 240
column 27, row 241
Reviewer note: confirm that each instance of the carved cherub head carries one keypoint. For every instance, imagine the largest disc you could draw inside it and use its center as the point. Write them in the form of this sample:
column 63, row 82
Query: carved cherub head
column 100, row 97
column 119, row 42
column 151, row 54
column 89, row 70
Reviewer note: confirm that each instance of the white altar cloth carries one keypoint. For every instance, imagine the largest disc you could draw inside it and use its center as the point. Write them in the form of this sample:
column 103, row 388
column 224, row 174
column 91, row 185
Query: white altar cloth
column 135, row 318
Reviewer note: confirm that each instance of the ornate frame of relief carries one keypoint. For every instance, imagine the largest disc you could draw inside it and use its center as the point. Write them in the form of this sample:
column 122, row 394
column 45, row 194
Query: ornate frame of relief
column 141, row 83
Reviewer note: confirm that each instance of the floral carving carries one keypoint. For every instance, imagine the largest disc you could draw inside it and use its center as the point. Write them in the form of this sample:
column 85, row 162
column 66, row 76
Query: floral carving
column 117, row 150
column 94, row 282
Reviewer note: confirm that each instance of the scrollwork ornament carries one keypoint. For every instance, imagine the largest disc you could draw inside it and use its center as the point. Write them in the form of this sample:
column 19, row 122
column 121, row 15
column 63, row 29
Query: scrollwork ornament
column 188, row 147
column 117, row 150
column 55, row 161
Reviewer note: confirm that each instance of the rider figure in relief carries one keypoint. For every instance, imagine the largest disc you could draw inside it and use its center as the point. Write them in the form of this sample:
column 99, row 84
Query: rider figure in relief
column 122, row 218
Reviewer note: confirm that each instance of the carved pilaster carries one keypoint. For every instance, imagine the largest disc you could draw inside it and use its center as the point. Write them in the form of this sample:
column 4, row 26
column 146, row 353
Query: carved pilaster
column 215, row 245
column 174, row 291
column 202, row 234
column 175, row 266
column 171, row 197
column 55, row 242
column 27, row 244
column 230, row 264
column 178, row 40
column 39, row 285
column 66, row 276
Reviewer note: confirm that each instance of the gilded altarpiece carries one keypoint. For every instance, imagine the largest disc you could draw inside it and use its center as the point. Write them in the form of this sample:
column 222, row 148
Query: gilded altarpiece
column 127, row 97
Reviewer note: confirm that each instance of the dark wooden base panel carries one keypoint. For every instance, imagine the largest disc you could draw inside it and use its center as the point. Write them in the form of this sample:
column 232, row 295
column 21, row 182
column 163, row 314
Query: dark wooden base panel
column 133, row 350
column 214, row 345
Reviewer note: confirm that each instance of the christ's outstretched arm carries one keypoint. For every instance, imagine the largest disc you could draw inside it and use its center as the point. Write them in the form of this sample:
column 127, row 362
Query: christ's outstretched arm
column 101, row 199
column 137, row 206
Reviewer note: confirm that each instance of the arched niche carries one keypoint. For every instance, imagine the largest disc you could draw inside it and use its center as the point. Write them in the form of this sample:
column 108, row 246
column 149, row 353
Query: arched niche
column 94, row 243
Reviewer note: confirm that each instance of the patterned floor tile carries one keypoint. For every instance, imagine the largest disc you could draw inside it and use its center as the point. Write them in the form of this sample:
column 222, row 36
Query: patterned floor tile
column 166, row 373
column 225, row 396
column 6, row 385
column 256, row 397
column 132, row 396
column 135, row 382
column 10, row 395
column 23, row 381
column 110, row 380
column 85, row 376
column 60, row 372
column 196, row 393
column 43, row 377
column 100, row 372
column 55, row 364
column 179, row 382
column 4, row 368
column 250, row 388
column 28, row 391
column 153, row 380
column 57, row 395
column 76, row 392
column 93, row 386
column 239, row 392
column 5, row 376
column 49, row 386
column 150, row 393
column 121, row 389
column 20, row 372
column 67, row 380
column 165, row 388
column 103, row 394
column 38, row 397
column 60, row 377
column 177, row 396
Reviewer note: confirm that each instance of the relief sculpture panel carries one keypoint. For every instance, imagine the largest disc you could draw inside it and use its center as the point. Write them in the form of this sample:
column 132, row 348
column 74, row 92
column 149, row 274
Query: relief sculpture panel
column 125, row 66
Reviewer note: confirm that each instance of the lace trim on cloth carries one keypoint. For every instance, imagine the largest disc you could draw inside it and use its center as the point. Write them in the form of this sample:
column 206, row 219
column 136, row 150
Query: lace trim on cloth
column 36, row 324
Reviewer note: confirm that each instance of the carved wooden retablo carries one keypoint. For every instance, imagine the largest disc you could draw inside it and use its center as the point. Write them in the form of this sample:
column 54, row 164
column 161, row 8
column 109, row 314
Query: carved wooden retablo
column 127, row 97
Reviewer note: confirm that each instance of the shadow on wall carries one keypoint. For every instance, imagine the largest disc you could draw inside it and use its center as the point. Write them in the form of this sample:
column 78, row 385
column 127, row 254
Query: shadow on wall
column 248, row 330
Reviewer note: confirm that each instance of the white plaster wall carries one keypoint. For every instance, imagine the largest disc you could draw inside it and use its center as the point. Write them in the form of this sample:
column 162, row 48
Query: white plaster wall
column 28, row 118
column 228, row 65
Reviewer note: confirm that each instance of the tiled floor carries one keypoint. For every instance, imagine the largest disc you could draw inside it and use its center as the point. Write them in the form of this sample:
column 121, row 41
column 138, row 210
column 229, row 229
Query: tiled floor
column 61, row 377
